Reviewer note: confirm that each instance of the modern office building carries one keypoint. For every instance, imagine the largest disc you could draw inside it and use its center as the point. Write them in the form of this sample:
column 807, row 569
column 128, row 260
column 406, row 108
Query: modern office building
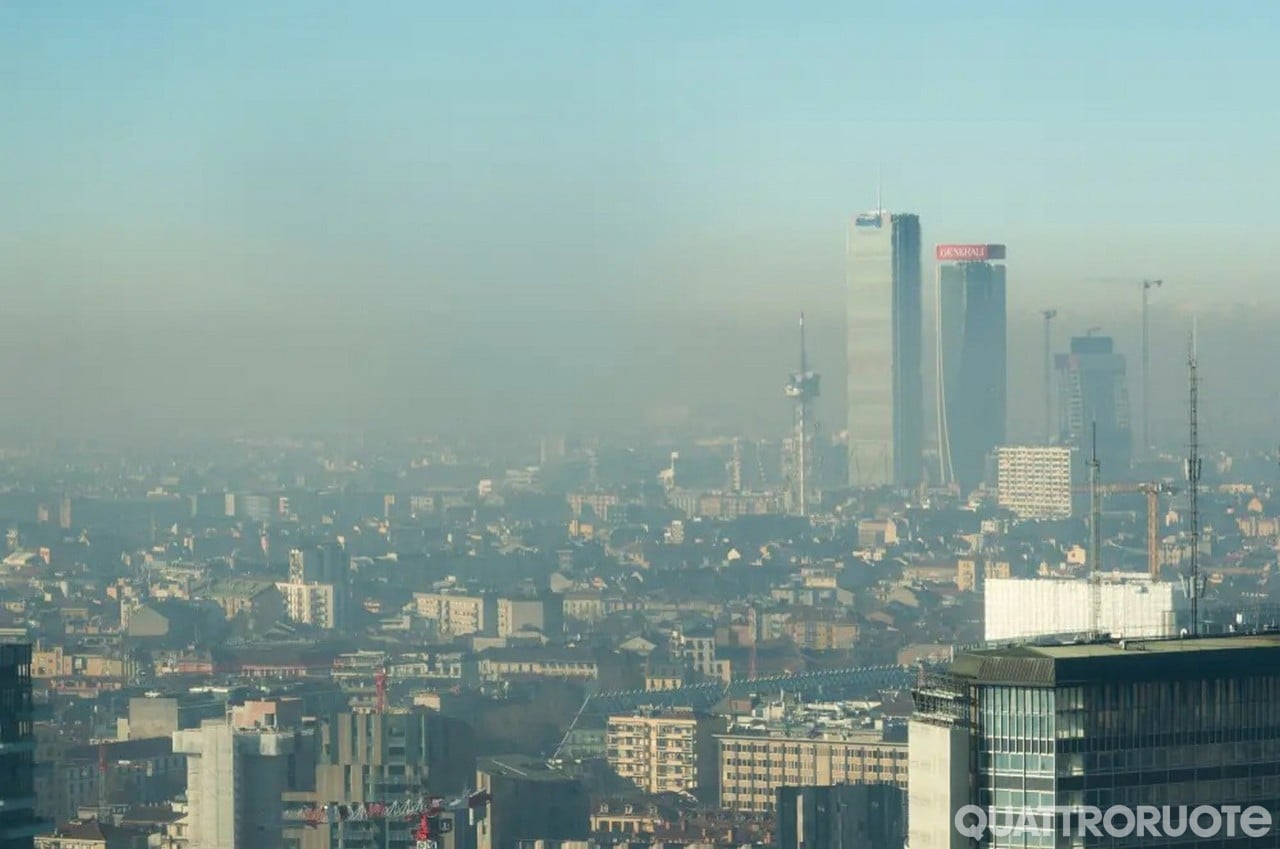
column 18, row 821
column 1183, row 722
column 1034, row 481
column 856, row 816
column 1094, row 392
column 236, row 781
column 529, row 801
column 1131, row 605
column 885, row 383
column 670, row 751
column 972, row 360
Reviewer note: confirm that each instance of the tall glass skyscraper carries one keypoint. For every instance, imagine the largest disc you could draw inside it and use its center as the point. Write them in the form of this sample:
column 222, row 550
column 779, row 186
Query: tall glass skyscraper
column 885, row 384
column 1091, row 381
column 972, row 359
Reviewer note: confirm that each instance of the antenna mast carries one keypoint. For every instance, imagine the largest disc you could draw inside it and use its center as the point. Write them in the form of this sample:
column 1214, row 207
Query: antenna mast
column 802, row 388
column 1095, row 539
column 1193, row 489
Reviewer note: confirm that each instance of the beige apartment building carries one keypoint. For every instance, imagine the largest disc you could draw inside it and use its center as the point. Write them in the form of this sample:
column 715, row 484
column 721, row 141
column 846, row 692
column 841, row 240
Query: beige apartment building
column 455, row 615
column 671, row 751
column 753, row 765
column 319, row 605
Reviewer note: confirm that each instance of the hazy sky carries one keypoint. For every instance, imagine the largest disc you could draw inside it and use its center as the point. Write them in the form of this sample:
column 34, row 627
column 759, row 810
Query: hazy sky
column 296, row 206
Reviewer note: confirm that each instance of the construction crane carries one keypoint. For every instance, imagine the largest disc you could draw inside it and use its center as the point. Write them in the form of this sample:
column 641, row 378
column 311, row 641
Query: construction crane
column 1048, row 316
column 1147, row 286
column 1152, row 491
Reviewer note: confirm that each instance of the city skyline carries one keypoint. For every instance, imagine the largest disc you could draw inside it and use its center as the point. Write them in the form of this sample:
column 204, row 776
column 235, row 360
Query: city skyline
column 410, row 438
column 221, row 198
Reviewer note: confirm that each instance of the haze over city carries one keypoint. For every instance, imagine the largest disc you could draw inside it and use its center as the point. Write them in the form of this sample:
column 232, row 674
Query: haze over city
column 596, row 215
column 636, row 425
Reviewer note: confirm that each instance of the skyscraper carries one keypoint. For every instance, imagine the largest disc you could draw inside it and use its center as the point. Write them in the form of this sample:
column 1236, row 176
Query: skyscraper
column 885, row 385
column 1180, row 722
column 1094, row 391
column 972, row 360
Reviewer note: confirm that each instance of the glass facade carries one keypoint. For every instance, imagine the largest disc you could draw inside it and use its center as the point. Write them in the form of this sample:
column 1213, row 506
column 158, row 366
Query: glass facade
column 1016, row 758
column 1197, row 741
column 972, row 366
column 885, row 383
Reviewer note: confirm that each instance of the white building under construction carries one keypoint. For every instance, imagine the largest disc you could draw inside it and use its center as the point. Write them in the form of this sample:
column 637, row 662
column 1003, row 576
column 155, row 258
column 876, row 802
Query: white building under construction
column 1131, row 605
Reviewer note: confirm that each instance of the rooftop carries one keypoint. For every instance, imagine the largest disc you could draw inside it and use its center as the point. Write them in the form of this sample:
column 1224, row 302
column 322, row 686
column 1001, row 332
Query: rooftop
column 1077, row 663
column 522, row 767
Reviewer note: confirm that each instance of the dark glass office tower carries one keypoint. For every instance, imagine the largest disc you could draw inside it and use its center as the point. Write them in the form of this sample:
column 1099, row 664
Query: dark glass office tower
column 1179, row 722
column 18, row 822
column 972, row 360
column 885, row 383
column 1093, row 390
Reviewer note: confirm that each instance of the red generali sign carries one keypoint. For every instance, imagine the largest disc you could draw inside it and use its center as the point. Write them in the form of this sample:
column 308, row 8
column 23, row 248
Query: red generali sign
column 968, row 253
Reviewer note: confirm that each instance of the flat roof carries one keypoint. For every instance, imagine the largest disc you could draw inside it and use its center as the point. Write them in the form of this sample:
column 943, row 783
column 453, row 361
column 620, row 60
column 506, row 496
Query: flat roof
column 522, row 767
column 1190, row 658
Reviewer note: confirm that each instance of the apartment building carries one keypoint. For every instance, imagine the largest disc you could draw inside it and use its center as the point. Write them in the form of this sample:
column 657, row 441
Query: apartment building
column 1034, row 481
column 671, row 751
column 457, row 614
column 783, row 745
column 319, row 605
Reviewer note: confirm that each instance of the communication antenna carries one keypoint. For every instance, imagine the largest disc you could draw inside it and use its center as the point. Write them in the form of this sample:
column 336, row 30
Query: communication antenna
column 1095, row 539
column 1193, row 486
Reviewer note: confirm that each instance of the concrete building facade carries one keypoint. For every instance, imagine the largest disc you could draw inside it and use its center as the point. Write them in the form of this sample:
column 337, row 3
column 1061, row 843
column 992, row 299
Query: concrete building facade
column 456, row 614
column 670, row 751
column 753, row 766
column 236, row 780
column 1034, row 481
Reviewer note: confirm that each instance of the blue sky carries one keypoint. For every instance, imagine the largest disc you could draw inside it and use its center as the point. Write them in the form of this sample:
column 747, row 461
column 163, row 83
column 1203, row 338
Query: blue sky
column 654, row 144
column 620, row 158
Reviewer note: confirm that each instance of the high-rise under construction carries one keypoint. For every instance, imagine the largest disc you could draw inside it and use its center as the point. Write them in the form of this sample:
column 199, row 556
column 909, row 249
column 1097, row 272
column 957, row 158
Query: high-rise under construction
column 1094, row 392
